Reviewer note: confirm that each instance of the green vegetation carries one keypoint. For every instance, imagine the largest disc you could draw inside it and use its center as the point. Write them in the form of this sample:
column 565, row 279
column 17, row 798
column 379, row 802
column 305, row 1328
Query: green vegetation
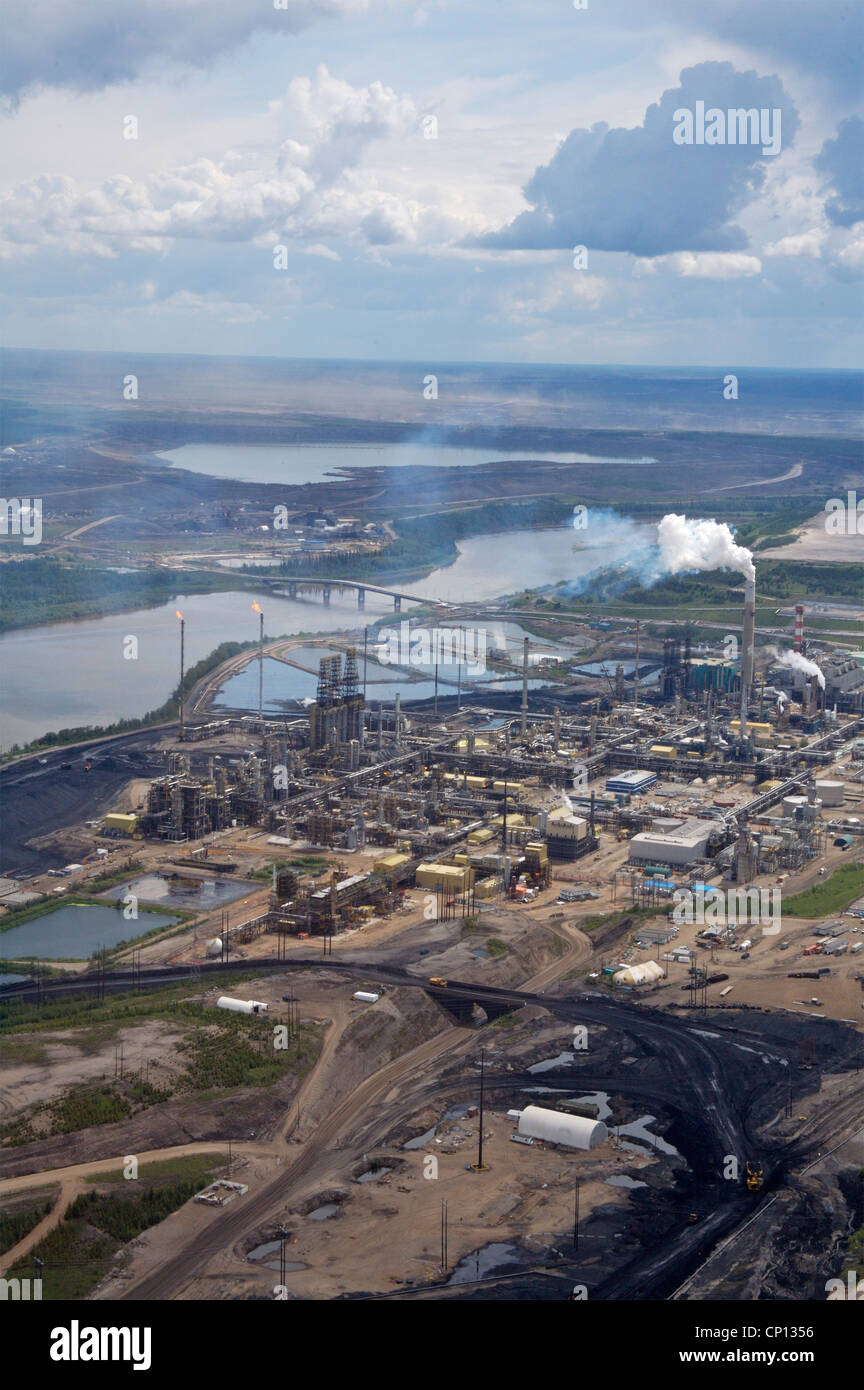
column 197, row 1167
column 237, row 1053
column 48, row 589
column 15, row 1225
column 23, row 1050
column 616, row 918
column 121, row 1008
column 496, row 947
column 311, row 864
column 832, row 894
column 79, row 1252
column 84, row 1107
column 221, row 1051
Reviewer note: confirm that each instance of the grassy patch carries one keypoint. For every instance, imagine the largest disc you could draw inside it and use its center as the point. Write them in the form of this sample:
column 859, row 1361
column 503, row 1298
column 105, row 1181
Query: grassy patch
column 832, row 894
column 171, row 1002
column 305, row 864
column 496, row 947
column 470, row 924
column 79, row 1252
column 23, row 1050
column 15, row 1225
column 229, row 1055
column 196, row 1167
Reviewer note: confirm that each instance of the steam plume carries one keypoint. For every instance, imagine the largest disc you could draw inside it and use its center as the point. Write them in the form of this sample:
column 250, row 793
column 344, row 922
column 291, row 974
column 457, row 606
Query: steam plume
column 686, row 544
column 796, row 662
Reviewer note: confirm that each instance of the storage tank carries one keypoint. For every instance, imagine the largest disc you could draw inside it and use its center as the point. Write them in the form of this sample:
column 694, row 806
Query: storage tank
column 831, row 793
column 365, row 997
column 576, row 1131
column 213, row 946
column 241, row 1006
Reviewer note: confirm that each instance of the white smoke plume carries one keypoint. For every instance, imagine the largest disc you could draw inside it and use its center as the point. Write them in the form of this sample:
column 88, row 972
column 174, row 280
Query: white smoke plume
column 796, row 662
column 686, row 544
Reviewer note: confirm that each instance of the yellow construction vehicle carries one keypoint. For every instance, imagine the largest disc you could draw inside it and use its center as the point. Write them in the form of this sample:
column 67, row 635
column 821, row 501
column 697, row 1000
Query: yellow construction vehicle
column 434, row 980
column 754, row 1177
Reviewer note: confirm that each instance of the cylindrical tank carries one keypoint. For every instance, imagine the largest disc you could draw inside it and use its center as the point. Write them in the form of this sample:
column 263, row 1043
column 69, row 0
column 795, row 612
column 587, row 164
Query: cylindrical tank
column 830, row 792
column 576, row 1131
column 213, row 946
column 241, row 1006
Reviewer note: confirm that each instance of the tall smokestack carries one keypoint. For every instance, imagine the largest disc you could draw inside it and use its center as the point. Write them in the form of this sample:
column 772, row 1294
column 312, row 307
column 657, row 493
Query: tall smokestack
column 524, row 720
column 397, row 720
column 636, row 669
column 798, row 643
column 747, row 650
column 179, row 615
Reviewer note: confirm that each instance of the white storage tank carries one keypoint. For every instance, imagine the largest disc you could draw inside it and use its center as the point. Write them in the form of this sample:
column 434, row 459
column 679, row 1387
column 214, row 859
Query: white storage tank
column 214, row 946
column 364, row 996
column 576, row 1131
column 831, row 793
column 241, row 1006
column 792, row 803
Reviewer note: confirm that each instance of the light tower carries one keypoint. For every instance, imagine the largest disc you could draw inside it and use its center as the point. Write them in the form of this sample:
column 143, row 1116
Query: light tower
column 256, row 608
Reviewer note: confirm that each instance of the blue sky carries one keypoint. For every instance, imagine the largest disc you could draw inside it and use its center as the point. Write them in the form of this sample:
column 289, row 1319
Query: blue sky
column 307, row 128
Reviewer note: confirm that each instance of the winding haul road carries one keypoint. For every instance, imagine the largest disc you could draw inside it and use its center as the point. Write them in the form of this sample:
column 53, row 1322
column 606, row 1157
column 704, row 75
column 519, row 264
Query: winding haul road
column 694, row 1072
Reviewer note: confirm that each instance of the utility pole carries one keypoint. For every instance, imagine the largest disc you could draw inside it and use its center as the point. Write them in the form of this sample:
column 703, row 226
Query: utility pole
column 443, row 1235
column 480, row 1166
column 576, row 1217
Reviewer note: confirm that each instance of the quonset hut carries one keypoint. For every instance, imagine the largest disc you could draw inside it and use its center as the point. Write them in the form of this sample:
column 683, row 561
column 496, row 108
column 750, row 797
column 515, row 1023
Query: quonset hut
column 575, row 1131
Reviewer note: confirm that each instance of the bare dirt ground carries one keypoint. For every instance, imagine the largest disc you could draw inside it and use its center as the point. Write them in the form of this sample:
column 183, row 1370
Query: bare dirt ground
column 815, row 543
column 69, row 1058
column 386, row 1232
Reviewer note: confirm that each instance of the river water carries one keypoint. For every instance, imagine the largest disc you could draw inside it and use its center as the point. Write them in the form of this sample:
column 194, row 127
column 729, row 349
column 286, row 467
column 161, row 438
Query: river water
column 64, row 675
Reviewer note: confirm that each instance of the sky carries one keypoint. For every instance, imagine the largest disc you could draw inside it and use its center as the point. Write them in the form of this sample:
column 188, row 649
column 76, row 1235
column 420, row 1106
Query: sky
column 381, row 179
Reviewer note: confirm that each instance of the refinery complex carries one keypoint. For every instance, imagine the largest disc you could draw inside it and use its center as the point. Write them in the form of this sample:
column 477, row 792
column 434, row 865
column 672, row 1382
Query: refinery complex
column 516, row 899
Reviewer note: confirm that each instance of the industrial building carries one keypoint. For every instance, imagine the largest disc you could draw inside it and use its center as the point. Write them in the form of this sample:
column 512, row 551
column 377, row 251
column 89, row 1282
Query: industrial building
column 677, row 845
column 633, row 783
column 337, row 714
column 555, row 1127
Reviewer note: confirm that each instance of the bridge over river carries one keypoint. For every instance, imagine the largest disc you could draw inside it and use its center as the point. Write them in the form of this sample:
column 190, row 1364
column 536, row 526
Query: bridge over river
column 290, row 587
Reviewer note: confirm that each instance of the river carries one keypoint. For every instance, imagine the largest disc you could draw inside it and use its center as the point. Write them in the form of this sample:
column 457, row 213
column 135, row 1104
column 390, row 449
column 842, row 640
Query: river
column 64, row 675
